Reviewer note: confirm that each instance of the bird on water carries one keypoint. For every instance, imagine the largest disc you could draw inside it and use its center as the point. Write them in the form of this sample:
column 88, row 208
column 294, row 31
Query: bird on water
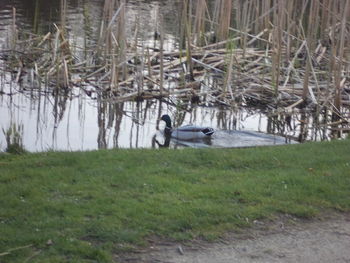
column 187, row 132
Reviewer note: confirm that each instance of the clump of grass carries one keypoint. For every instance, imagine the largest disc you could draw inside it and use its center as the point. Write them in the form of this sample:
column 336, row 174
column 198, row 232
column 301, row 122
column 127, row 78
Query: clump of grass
column 14, row 135
column 87, row 206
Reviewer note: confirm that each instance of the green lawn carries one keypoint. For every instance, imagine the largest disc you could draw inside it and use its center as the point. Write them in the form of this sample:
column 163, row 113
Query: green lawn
column 85, row 206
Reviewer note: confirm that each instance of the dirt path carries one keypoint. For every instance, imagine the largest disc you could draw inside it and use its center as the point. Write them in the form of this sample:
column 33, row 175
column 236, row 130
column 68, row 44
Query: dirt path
column 287, row 240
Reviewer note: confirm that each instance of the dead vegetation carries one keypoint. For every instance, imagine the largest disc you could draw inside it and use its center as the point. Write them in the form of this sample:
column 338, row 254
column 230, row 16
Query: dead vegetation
column 288, row 56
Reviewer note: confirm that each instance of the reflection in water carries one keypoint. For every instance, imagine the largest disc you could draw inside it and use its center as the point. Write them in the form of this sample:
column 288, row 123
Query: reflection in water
column 302, row 126
column 118, row 113
column 61, row 121
column 74, row 121
column 169, row 142
column 101, row 121
column 226, row 119
column 165, row 144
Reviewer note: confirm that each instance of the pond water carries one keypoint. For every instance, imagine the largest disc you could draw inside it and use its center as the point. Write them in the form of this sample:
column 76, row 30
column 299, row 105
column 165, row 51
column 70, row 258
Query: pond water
column 82, row 123
column 77, row 121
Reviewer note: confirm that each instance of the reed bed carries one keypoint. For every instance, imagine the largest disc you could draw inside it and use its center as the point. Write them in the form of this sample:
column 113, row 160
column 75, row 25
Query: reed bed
column 287, row 56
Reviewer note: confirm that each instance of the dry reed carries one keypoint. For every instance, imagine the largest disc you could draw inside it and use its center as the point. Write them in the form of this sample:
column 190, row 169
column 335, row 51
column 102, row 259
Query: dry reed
column 285, row 55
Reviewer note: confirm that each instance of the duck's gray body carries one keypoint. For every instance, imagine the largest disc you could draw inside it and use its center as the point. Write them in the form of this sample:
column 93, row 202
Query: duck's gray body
column 188, row 132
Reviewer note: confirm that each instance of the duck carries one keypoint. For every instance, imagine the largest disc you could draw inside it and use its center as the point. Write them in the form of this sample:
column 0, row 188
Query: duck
column 187, row 132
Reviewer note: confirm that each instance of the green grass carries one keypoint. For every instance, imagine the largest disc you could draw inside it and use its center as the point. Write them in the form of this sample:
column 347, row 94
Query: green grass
column 91, row 205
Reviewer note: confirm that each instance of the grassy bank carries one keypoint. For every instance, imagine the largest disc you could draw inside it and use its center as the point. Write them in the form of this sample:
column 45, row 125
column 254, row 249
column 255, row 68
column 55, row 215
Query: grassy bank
column 81, row 207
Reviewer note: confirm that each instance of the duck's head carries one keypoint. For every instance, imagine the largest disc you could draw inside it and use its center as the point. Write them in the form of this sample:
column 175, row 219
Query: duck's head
column 167, row 120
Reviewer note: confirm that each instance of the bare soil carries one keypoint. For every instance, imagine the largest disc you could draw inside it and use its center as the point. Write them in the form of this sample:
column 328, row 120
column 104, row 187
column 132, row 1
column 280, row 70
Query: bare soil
column 288, row 239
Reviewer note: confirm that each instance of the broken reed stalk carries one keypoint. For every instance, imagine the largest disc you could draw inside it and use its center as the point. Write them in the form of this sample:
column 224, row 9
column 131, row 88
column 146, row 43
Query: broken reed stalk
column 63, row 12
column 104, row 41
column 340, row 58
column 149, row 67
column 186, row 23
column 228, row 77
column 310, row 42
column 223, row 18
column 140, row 76
column 161, row 81
column 122, row 43
column 114, row 75
column 325, row 19
column 199, row 22
column 14, row 30
column 189, row 51
column 280, row 35
column 242, row 23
